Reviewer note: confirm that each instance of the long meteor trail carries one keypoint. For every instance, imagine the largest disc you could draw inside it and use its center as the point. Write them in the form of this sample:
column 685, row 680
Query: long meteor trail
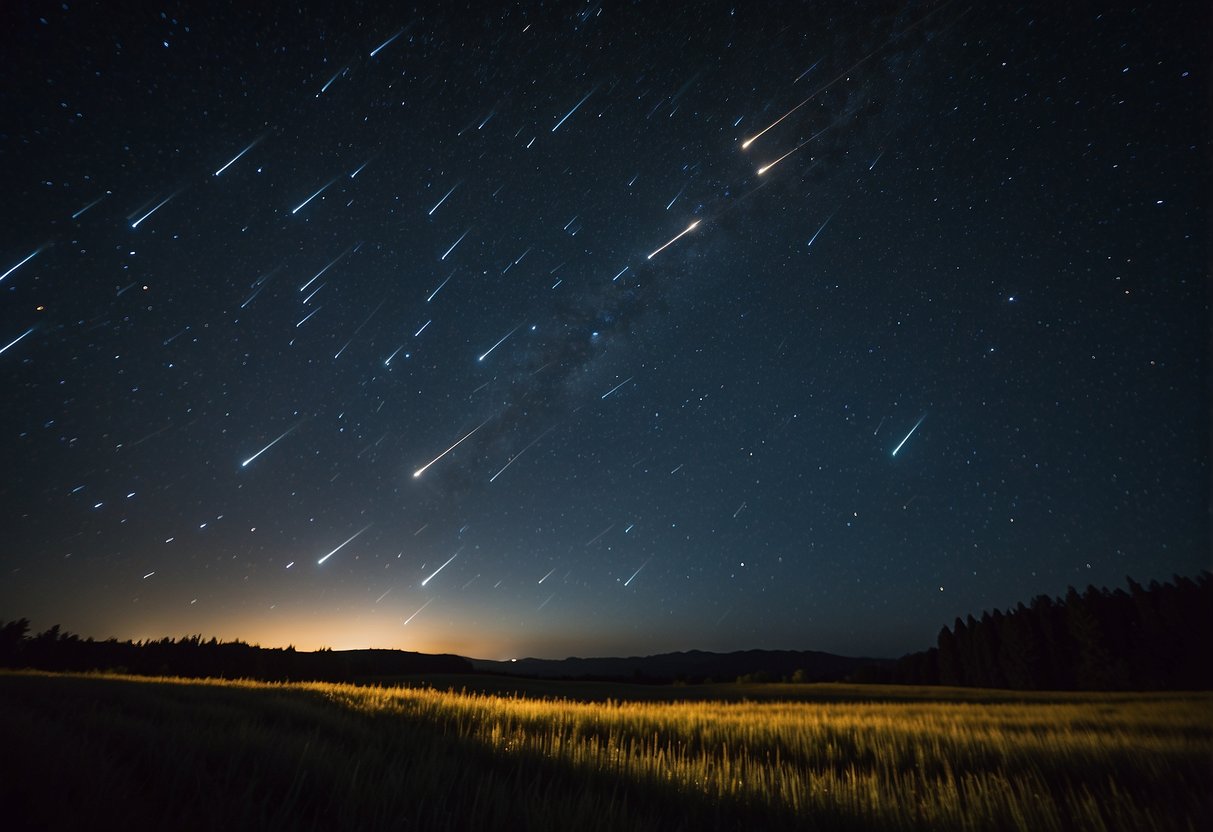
column 908, row 435
column 439, row 202
column 332, row 263
column 423, row 468
column 686, row 230
column 11, row 343
column 159, row 205
column 575, row 107
column 414, row 615
column 343, row 545
column 385, row 44
column 532, row 443
column 770, row 165
column 485, row 354
column 819, row 230
column 28, row 258
column 637, row 572
column 457, row 242
column 299, row 207
column 233, row 160
column 284, row 435
column 440, row 568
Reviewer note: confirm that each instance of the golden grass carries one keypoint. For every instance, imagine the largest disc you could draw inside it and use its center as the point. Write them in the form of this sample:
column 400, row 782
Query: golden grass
column 1083, row 761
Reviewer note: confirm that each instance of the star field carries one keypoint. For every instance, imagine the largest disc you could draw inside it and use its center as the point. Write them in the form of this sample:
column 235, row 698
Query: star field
column 593, row 328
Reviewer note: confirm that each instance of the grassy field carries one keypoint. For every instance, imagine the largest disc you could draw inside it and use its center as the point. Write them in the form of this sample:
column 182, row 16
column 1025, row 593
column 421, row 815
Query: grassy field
column 105, row 751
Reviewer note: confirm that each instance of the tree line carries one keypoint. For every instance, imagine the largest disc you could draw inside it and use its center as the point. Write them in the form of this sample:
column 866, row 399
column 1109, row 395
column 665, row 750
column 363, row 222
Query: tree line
column 194, row 657
column 1158, row 637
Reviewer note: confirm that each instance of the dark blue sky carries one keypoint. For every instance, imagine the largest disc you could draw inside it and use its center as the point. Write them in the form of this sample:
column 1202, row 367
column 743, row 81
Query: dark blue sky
column 985, row 225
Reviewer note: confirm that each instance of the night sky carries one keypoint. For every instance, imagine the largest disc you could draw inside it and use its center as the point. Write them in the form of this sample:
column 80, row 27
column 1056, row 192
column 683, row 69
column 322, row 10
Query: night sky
column 348, row 325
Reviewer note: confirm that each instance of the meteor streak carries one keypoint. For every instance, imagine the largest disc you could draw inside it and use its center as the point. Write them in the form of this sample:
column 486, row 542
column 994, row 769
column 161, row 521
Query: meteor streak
column 498, row 344
column 520, row 453
column 637, row 572
column 440, row 568
column 457, row 242
column 575, row 106
column 765, row 168
column 616, row 387
column 686, row 230
column 343, row 545
column 439, row 202
column 232, row 161
column 384, row 45
column 135, row 224
column 414, row 615
column 28, row 258
column 5, row 348
column 330, row 81
column 317, row 275
column 440, row 285
column 423, row 468
column 821, row 229
column 908, row 435
column 90, row 205
column 815, row 93
column 299, row 207
column 284, row 435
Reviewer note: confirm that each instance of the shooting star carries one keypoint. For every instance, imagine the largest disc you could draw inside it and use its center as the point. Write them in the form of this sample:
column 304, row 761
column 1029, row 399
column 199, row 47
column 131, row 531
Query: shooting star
column 299, row 207
column 548, row 575
column 423, row 468
column 908, row 435
column 815, row 93
column 317, row 275
column 575, row 107
column 384, row 45
column 343, row 545
column 28, row 258
column 439, row 202
column 457, row 242
column 498, row 344
column 616, row 387
column 233, row 160
column 440, row 568
column 599, row 536
column 637, row 572
column 305, row 318
column 440, row 285
column 284, row 435
column 90, row 205
column 330, row 81
column 159, row 205
column 686, row 230
column 821, row 229
column 414, row 615
column 6, row 347
column 520, row 453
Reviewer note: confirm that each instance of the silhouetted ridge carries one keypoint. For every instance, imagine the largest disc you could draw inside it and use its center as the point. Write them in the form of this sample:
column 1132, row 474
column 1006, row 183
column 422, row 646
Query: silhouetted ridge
column 193, row 657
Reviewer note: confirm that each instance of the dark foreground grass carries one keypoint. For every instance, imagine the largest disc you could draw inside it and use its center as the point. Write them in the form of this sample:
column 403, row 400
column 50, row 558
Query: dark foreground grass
column 120, row 752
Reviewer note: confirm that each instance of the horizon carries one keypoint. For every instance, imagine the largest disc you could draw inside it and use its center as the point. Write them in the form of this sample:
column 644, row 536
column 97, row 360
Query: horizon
column 558, row 333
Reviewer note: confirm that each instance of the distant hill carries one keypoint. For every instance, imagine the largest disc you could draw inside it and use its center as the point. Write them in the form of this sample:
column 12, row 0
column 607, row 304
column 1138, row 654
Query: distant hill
column 692, row 666
column 194, row 657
